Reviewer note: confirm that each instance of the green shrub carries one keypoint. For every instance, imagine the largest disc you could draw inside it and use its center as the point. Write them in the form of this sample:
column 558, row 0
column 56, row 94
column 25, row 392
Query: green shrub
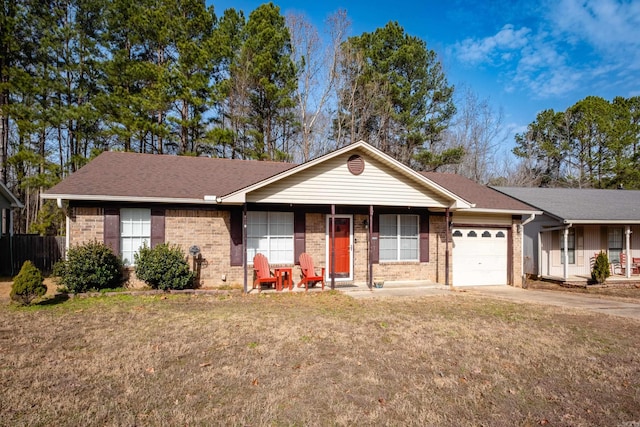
column 601, row 270
column 92, row 266
column 163, row 267
column 28, row 284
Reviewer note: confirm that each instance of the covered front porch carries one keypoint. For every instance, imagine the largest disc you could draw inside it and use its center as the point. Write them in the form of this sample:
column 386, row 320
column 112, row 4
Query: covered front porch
column 567, row 253
column 615, row 280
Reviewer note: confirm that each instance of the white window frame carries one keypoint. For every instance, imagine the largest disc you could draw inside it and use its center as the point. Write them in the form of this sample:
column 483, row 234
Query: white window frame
column 571, row 243
column 135, row 231
column 613, row 250
column 399, row 238
column 271, row 234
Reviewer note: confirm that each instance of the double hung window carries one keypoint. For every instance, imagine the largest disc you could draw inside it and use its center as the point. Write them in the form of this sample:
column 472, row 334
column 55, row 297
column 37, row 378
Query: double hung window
column 399, row 238
column 135, row 231
column 615, row 244
column 571, row 246
column 271, row 234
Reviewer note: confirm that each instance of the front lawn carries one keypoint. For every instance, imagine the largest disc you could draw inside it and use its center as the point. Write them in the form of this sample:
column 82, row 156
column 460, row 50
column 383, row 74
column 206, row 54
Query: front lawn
column 315, row 359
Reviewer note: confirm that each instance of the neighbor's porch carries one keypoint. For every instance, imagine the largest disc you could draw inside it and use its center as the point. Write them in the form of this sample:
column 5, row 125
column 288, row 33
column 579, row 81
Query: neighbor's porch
column 567, row 253
column 583, row 280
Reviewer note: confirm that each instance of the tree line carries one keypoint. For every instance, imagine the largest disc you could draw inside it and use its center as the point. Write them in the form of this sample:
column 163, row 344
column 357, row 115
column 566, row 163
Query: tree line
column 593, row 144
column 78, row 77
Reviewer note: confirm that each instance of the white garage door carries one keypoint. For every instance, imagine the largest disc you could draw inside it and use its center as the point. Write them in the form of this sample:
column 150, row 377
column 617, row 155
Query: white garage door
column 479, row 256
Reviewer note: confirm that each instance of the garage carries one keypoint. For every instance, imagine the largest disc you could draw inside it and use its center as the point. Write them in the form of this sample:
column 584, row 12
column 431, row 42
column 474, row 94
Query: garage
column 479, row 256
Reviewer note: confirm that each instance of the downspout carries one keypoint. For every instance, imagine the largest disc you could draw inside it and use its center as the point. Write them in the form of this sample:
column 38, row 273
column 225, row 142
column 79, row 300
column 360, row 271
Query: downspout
column 521, row 228
column 244, row 246
column 446, row 249
column 67, row 226
column 540, row 254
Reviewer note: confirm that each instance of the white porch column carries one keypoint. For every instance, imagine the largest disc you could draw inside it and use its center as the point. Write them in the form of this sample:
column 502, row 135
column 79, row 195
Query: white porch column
column 565, row 236
column 627, row 251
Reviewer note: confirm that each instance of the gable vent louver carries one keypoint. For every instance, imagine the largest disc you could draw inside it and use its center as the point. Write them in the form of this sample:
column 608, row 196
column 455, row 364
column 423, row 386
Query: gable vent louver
column 355, row 164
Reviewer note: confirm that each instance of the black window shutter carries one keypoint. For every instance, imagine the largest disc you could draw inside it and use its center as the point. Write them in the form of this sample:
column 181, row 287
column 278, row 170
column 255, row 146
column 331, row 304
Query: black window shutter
column 298, row 235
column 375, row 239
column 235, row 225
column 424, row 238
column 157, row 227
column 112, row 229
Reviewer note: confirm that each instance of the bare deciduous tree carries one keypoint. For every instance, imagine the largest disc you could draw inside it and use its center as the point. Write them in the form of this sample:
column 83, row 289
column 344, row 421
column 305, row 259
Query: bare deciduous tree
column 479, row 129
column 317, row 64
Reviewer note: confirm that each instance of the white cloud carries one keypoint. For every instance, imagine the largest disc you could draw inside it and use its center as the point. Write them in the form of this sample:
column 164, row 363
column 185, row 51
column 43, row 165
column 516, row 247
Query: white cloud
column 576, row 44
column 608, row 25
column 488, row 49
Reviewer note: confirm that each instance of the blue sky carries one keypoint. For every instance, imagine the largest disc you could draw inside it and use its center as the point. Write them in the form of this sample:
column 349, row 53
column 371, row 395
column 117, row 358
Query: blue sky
column 524, row 56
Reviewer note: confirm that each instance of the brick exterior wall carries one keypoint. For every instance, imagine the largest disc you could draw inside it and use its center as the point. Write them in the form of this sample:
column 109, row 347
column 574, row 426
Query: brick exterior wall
column 209, row 229
column 516, row 254
column 86, row 225
column 390, row 271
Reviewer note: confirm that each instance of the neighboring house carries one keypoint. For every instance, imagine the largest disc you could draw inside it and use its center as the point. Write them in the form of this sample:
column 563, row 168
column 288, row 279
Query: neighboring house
column 7, row 203
column 378, row 217
column 585, row 222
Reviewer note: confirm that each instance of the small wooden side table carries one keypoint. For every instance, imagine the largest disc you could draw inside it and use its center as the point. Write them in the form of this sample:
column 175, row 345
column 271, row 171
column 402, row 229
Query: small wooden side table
column 284, row 278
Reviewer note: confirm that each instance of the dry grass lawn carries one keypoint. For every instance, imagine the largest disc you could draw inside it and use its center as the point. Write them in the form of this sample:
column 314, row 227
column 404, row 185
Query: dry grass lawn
column 316, row 359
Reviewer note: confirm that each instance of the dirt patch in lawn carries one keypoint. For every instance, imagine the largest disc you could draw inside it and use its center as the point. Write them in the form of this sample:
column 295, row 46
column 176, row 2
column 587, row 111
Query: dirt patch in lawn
column 315, row 359
column 6, row 282
column 611, row 291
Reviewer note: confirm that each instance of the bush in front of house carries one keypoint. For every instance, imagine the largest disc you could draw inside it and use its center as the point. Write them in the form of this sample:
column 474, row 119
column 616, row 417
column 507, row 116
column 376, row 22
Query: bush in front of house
column 28, row 284
column 163, row 267
column 91, row 266
column 601, row 269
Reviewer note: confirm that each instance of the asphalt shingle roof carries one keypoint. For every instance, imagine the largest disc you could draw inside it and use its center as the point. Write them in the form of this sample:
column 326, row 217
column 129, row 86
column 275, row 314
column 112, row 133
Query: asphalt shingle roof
column 164, row 176
column 573, row 204
column 134, row 175
column 482, row 196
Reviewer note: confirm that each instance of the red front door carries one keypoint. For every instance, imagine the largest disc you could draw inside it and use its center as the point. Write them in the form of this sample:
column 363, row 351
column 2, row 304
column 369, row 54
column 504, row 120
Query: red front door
column 342, row 248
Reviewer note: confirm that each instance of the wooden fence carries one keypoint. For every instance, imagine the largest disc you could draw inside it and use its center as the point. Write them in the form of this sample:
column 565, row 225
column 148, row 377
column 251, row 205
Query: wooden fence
column 42, row 251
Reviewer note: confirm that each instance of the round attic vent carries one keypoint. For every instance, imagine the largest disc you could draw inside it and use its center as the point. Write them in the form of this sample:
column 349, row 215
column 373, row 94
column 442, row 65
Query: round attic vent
column 355, row 164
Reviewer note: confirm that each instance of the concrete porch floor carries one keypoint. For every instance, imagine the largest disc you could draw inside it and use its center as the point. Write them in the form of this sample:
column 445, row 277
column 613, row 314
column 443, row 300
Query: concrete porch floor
column 580, row 280
column 349, row 287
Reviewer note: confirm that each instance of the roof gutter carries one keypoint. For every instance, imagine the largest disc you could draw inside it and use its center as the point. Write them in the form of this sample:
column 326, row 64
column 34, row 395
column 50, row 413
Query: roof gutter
column 102, row 198
column 602, row 221
column 212, row 198
column 560, row 227
column 514, row 212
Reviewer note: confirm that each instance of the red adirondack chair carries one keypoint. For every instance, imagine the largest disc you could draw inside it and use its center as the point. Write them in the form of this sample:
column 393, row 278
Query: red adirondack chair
column 262, row 272
column 309, row 275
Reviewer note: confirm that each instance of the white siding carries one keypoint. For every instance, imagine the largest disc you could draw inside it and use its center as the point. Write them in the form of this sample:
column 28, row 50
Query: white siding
column 331, row 182
column 462, row 217
column 585, row 251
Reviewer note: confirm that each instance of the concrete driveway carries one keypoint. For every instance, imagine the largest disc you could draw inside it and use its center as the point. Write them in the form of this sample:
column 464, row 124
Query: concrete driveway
column 597, row 304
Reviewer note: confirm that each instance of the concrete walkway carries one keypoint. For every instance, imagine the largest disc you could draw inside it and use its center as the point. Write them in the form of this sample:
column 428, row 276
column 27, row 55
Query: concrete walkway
column 598, row 304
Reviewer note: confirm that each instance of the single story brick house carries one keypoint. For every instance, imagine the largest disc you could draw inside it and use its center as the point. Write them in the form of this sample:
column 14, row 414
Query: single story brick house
column 585, row 222
column 377, row 216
